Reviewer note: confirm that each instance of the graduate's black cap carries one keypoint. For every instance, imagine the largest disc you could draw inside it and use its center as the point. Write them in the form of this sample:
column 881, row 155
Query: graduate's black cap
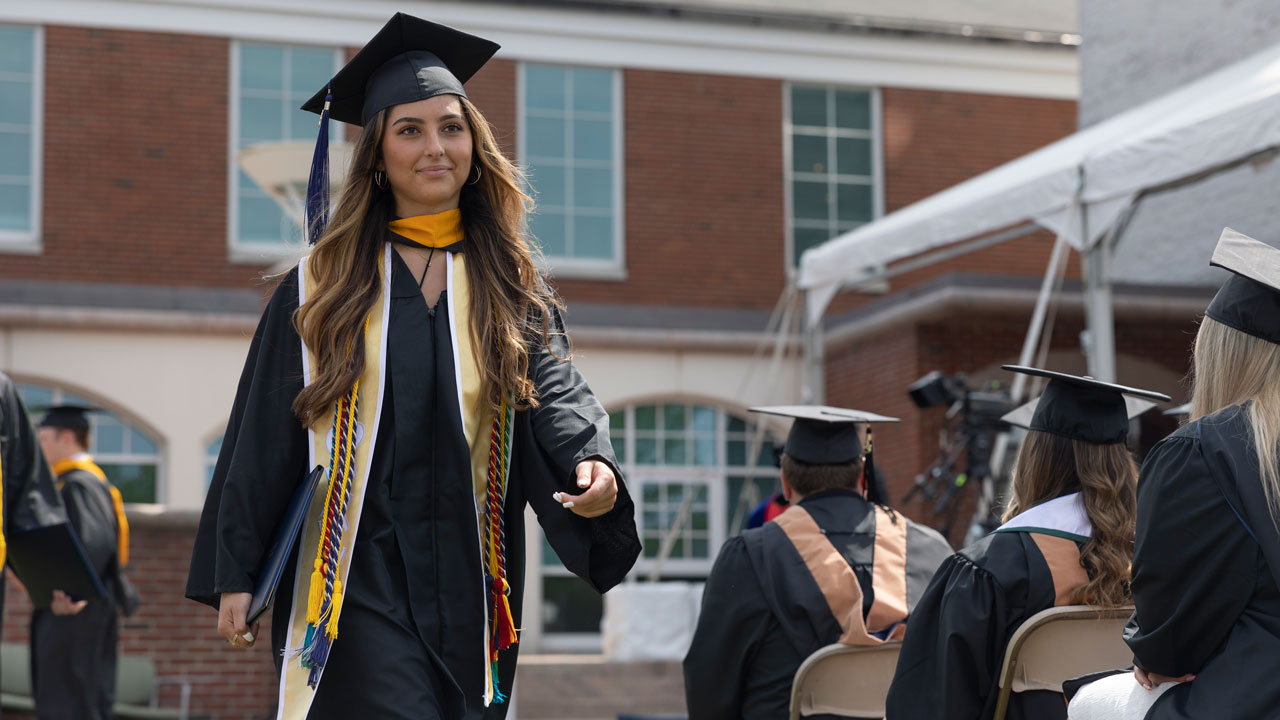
column 1249, row 300
column 71, row 417
column 410, row 59
column 1082, row 408
column 823, row 435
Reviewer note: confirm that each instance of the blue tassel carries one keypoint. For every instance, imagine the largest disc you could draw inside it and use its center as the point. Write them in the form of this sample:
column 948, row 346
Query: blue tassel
column 317, row 211
column 498, row 697
column 316, row 657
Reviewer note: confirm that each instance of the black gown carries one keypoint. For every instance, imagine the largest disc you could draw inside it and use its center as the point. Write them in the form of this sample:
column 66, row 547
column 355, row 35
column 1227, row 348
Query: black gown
column 73, row 657
column 950, row 661
column 29, row 498
column 418, row 538
column 763, row 613
column 1204, row 590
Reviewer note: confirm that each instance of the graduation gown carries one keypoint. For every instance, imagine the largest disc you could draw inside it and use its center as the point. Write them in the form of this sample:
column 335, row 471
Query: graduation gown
column 29, row 497
column 413, row 610
column 1204, row 589
column 73, row 657
column 950, row 661
column 764, row 611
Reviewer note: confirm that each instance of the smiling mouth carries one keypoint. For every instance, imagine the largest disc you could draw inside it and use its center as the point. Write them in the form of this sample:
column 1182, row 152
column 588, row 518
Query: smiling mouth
column 438, row 170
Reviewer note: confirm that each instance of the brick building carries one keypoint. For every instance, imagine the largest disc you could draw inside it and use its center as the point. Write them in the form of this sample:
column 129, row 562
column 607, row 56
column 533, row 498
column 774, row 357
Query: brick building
column 683, row 154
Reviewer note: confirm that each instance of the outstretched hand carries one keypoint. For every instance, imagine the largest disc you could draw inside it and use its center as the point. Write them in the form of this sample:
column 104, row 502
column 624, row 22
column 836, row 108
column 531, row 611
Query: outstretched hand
column 599, row 486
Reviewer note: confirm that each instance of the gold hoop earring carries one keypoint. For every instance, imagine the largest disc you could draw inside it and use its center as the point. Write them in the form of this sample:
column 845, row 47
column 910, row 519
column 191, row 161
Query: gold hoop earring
column 479, row 173
column 380, row 179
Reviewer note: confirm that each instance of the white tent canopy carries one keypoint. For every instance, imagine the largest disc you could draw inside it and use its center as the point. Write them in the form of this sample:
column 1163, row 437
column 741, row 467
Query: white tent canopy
column 1095, row 174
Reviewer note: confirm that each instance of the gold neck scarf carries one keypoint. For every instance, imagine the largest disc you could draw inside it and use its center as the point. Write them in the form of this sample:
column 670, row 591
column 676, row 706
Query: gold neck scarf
column 430, row 231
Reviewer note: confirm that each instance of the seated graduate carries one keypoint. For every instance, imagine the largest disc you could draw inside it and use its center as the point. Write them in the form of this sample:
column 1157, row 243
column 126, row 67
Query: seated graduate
column 1067, row 540
column 836, row 566
column 1206, row 562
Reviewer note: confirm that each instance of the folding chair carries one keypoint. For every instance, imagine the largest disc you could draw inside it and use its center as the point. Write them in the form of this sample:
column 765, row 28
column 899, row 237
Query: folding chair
column 845, row 680
column 1060, row 643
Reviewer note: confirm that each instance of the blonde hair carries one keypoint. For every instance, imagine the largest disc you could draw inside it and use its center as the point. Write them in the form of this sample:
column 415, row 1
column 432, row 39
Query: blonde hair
column 1106, row 476
column 1231, row 368
column 506, row 288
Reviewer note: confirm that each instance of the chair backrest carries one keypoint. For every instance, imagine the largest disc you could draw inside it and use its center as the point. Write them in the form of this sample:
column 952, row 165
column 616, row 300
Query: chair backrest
column 15, row 669
column 135, row 680
column 847, row 680
column 1060, row 643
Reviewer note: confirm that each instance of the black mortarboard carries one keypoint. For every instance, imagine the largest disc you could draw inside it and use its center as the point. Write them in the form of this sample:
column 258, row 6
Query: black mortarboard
column 1082, row 408
column 409, row 59
column 823, row 435
column 1022, row 415
column 1249, row 300
column 71, row 417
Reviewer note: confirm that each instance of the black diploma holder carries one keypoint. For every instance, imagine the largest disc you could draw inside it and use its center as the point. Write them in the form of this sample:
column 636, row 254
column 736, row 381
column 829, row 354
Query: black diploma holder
column 52, row 558
column 286, row 536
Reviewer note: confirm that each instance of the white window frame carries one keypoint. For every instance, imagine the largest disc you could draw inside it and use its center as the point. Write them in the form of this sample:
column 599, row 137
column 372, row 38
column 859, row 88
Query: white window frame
column 30, row 242
column 255, row 253
column 584, row 268
column 875, row 134
column 58, row 394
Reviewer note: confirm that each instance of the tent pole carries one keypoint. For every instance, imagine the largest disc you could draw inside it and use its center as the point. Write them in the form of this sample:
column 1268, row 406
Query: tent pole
column 814, row 390
column 1099, row 340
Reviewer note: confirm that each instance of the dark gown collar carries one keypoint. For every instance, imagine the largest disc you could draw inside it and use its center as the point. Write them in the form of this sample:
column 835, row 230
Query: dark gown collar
column 403, row 283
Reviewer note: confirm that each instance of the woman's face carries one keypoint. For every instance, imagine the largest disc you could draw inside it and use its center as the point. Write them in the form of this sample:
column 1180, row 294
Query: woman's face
column 426, row 153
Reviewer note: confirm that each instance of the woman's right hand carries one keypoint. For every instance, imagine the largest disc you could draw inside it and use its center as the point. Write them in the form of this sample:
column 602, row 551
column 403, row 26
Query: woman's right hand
column 1152, row 681
column 233, row 610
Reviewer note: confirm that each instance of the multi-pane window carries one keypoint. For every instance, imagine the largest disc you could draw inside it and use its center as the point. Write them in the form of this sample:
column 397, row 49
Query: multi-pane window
column 569, row 139
column 270, row 83
column 694, row 472
column 127, row 454
column 19, row 132
column 833, row 163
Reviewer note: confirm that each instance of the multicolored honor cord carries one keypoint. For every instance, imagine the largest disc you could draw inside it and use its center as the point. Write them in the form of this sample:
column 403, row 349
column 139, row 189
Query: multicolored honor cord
column 325, row 599
column 501, row 623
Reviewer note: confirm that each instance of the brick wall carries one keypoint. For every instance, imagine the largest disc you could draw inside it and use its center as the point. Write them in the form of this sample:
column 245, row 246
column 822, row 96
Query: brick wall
column 135, row 161
column 704, row 202
column 179, row 635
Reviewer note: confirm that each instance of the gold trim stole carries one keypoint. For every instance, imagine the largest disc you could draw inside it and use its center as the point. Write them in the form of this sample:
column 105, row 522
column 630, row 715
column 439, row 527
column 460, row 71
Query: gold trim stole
column 296, row 695
column 84, row 461
column 4, row 547
column 839, row 584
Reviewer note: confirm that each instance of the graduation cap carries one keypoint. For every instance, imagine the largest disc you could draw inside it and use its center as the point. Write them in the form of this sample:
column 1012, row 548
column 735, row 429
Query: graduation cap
column 1082, row 408
column 409, row 59
column 1021, row 416
column 71, row 417
column 1249, row 300
column 823, row 435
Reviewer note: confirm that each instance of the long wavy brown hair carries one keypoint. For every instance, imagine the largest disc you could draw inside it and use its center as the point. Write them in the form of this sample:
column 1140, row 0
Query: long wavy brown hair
column 507, row 291
column 1106, row 476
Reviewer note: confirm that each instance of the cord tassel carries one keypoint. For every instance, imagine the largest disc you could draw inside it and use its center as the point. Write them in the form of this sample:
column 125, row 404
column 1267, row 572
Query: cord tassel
column 331, row 629
column 317, row 209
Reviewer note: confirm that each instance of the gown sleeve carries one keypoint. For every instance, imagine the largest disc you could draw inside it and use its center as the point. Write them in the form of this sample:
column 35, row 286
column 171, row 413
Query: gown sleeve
column 727, row 638
column 569, row 426
column 953, row 647
column 30, row 499
column 263, row 458
column 1194, row 565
